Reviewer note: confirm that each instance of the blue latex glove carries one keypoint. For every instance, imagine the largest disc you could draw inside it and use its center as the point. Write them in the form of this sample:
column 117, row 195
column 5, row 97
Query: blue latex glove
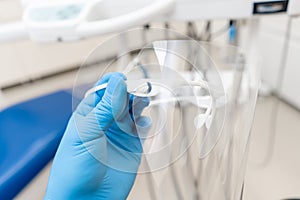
column 100, row 151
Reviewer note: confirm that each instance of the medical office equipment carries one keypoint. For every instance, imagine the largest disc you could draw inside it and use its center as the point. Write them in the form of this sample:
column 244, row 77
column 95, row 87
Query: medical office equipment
column 50, row 21
column 119, row 16
column 67, row 25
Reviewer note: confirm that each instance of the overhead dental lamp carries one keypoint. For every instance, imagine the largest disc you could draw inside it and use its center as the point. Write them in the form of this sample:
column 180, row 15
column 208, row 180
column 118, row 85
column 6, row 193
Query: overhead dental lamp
column 73, row 20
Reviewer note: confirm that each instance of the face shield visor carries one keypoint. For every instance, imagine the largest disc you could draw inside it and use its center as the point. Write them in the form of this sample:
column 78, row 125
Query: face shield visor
column 198, row 96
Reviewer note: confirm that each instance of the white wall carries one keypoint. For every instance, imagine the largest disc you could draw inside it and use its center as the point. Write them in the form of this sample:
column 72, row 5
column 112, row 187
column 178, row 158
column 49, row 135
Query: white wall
column 270, row 47
column 291, row 84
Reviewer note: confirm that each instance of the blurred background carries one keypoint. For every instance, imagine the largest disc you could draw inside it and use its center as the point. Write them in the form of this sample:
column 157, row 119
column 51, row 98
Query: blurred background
column 29, row 69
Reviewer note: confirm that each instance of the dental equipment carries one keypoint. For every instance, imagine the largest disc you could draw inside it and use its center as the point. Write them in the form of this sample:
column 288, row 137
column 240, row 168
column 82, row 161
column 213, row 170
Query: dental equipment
column 143, row 89
column 52, row 21
column 137, row 92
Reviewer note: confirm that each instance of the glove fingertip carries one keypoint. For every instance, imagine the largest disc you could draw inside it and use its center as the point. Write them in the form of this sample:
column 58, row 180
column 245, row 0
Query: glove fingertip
column 116, row 85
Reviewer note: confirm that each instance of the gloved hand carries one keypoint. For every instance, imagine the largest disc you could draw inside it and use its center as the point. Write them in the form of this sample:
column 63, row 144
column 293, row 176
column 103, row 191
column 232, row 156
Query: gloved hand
column 100, row 151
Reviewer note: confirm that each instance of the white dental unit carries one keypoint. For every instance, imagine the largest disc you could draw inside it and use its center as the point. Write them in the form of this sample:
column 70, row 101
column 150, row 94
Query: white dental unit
column 50, row 21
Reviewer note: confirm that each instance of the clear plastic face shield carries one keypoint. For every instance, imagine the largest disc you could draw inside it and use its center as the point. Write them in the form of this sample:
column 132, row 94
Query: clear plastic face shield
column 197, row 94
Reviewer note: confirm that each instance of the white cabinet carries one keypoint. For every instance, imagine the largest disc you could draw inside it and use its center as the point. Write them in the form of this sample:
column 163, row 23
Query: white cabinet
column 291, row 83
column 27, row 60
column 270, row 46
column 10, row 65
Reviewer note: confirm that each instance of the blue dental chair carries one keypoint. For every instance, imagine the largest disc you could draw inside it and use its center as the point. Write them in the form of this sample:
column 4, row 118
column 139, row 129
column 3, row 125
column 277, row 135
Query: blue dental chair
column 30, row 133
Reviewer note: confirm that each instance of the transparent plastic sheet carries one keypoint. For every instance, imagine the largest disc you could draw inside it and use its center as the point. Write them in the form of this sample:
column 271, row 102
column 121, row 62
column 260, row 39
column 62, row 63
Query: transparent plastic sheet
column 202, row 101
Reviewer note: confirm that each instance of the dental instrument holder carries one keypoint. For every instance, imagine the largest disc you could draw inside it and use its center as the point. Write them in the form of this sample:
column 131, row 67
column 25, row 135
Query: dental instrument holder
column 190, row 159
